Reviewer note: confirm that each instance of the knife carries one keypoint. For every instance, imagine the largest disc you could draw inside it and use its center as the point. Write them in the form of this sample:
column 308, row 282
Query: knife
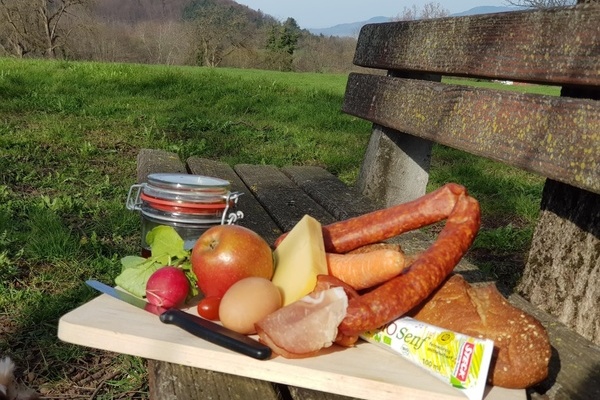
column 195, row 325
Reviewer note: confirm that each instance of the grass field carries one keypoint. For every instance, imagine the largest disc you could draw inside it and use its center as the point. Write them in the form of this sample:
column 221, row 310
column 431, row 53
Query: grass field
column 69, row 135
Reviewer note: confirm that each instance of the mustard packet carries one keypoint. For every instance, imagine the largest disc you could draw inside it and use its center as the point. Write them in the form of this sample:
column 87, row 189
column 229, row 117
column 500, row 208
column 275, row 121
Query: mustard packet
column 460, row 360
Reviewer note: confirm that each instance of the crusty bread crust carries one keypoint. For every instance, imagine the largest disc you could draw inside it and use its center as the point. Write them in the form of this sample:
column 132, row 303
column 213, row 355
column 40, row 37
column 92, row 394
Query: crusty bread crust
column 521, row 346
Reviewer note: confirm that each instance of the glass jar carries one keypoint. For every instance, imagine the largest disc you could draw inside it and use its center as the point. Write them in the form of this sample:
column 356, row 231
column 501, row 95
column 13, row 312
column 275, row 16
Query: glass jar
column 189, row 203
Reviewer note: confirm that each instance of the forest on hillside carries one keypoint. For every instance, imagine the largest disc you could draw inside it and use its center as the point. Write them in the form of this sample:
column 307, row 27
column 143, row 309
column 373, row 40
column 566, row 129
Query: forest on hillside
column 174, row 32
column 214, row 33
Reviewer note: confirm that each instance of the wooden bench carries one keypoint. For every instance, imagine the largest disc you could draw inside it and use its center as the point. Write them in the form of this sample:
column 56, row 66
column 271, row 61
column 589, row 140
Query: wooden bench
column 556, row 137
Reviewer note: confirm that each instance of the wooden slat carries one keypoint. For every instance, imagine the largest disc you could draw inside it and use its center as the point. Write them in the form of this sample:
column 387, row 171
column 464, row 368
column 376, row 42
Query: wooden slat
column 338, row 199
column 255, row 217
column 285, row 202
column 151, row 161
column 169, row 381
column 307, row 394
column 555, row 46
column 541, row 134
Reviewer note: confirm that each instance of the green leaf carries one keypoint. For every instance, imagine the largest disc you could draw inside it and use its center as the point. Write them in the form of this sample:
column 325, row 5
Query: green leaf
column 132, row 261
column 187, row 268
column 133, row 278
column 165, row 244
column 167, row 248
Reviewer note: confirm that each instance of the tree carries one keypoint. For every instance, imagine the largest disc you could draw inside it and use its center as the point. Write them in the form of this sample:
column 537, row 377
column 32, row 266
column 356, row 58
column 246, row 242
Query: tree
column 38, row 26
column 220, row 29
column 540, row 3
column 324, row 54
column 165, row 42
column 285, row 38
column 429, row 10
column 15, row 28
column 282, row 41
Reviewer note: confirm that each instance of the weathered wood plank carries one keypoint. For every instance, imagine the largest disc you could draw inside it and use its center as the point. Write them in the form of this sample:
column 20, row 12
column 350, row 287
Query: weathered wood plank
column 338, row 199
column 255, row 216
column 540, row 134
column 285, row 202
column 557, row 46
column 307, row 394
column 168, row 381
column 153, row 161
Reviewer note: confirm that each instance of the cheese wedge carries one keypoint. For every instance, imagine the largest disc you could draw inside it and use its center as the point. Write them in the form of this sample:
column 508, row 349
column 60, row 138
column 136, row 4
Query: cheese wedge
column 299, row 258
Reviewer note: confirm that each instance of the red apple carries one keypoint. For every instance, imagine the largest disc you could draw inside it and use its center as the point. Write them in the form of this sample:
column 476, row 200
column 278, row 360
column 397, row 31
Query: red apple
column 224, row 254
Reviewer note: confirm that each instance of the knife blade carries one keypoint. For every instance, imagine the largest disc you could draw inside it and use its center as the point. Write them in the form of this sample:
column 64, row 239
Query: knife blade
column 199, row 327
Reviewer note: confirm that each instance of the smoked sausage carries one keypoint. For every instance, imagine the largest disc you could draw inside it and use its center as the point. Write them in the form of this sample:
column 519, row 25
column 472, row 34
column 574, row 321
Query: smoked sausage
column 400, row 294
column 427, row 271
column 376, row 226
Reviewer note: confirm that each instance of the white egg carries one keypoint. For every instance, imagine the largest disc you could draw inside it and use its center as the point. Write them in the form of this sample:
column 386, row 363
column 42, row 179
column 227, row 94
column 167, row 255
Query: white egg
column 248, row 301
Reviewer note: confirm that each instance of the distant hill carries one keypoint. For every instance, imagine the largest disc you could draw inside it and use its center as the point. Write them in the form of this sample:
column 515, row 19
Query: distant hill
column 484, row 10
column 353, row 28
column 350, row 29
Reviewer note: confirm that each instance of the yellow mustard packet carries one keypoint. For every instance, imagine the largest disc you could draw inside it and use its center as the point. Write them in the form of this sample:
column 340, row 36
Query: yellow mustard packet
column 459, row 360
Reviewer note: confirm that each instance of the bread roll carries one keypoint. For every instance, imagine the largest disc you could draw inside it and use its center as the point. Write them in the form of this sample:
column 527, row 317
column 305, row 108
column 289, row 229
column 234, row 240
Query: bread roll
column 521, row 345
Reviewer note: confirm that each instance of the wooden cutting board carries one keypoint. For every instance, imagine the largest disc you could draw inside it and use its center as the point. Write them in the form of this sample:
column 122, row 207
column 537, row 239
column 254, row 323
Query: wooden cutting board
column 364, row 371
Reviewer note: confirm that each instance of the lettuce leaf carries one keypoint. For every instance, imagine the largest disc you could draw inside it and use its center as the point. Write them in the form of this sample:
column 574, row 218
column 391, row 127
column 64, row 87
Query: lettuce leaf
column 135, row 274
column 167, row 248
column 166, row 244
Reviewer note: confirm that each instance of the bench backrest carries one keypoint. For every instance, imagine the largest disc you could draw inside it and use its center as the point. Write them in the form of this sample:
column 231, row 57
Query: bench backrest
column 556, row 137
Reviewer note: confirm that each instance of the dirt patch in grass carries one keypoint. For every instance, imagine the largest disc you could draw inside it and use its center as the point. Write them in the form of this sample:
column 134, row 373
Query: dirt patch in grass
column 96, row 374
column 94, row 377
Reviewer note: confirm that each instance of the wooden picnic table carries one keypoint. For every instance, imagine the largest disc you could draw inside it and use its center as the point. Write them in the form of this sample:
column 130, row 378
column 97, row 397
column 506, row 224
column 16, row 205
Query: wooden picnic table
column 182, row 366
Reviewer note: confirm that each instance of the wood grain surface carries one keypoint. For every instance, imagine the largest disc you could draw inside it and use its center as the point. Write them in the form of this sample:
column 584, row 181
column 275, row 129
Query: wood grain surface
column 540, row 134
column 556, row 46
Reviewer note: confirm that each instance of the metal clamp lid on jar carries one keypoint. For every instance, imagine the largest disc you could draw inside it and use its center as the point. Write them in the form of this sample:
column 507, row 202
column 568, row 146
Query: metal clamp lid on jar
column 185, row 192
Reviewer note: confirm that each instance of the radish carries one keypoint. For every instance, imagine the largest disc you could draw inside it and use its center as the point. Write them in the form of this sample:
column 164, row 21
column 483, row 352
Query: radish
column 167, row 287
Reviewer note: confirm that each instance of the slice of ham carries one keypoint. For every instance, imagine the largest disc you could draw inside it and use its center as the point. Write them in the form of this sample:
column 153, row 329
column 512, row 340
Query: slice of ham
column 306, row 326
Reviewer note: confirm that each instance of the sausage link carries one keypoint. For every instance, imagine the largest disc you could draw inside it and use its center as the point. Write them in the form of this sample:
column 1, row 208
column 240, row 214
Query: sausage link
column 397, row 296
column 376, row 226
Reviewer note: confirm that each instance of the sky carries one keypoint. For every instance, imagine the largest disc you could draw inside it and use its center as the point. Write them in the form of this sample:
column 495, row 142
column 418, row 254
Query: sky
column 326, row 13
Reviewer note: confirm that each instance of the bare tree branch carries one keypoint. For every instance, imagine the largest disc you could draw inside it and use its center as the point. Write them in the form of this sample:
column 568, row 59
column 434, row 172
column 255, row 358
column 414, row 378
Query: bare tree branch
column 429, row 10
column 540, row 3
column 38, row 26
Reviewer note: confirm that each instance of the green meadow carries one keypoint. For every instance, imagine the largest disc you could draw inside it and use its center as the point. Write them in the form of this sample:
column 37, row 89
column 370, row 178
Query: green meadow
column 69, row 136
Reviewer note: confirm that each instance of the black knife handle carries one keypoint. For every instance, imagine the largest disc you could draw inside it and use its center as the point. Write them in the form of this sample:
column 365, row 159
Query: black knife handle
column 216, row 333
